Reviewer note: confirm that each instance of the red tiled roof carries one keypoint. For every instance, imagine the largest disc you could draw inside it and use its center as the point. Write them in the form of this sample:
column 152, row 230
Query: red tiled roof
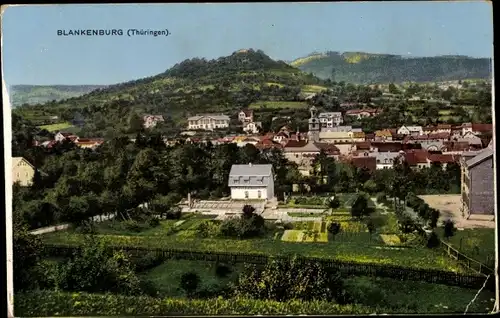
column 415, row 156
column 456, row 145
column 369, row 136
column 482, row 127
column 443, row 158
column 330, row 149
column 365, row 162
column 295, row 143
column 365, row 145
column 441, row 135
column 267, row 143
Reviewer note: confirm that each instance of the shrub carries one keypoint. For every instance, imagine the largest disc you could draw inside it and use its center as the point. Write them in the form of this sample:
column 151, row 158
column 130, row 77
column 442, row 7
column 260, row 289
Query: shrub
column 222, row 270
column 173, row 214
column 288, row 226
column 50, row 303
column 381, row 198
column 334, row 228
column 449, row 228
column 433, row 240
column 153, row 222
column 148, row 261
column 132, row 225
column 190, row 282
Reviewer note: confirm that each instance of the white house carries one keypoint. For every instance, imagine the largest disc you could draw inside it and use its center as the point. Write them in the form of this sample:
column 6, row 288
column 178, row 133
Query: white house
column 252, row 127
column 61, row 136
column 208, row 122
column 330, row 119
column 251, row 181
column 150, row 121
column 245, row 115
column 410, row 130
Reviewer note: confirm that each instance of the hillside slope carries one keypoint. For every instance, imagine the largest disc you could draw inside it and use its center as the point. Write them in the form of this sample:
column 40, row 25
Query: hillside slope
column 38, row 94
column 365, row 68
column 193, row 86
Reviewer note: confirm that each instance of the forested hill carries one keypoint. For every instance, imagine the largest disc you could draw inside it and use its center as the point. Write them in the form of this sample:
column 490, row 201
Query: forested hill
column 193, row 86
column 367, row 68
column 39, row 94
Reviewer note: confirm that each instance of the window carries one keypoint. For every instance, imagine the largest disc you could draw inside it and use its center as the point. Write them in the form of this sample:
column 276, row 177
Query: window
column 259, row 194
column 246, row 194
column 18, row 174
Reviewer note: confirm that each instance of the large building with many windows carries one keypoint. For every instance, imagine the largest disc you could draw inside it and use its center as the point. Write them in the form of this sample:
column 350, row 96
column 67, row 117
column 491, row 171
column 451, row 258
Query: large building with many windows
column 251, row 182
column 208, row 122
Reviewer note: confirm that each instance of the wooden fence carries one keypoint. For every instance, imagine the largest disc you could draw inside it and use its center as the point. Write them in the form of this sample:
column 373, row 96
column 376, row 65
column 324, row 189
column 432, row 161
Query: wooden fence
column 465, row 260
column 346, row 268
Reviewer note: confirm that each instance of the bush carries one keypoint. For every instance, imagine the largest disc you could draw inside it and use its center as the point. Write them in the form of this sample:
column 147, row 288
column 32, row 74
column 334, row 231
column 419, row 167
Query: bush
column 148, row 261
column 51, row 303
column 334, row 228
column 449, row 228
column 288, row 226
column 190, row 282
column 131, row 225
column 433, row 240
column 153, row 222
column 222, row 270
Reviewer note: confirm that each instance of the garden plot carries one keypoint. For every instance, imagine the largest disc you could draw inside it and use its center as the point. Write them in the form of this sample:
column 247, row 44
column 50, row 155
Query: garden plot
column 390, row 239
column 306, row 232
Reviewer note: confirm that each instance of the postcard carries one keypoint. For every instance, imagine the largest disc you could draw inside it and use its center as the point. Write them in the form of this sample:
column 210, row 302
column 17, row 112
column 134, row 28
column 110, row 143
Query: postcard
column 249, row 159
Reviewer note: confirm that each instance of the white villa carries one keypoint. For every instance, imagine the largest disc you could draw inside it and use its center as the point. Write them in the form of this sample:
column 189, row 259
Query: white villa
column 251, row 181
column 208, row 122
column 330, row 119
column 410, row 130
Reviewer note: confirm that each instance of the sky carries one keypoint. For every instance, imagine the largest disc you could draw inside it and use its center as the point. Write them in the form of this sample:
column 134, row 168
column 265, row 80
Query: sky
column 34, row 54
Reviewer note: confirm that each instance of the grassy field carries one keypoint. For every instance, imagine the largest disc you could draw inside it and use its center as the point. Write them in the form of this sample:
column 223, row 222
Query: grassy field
column 313, row 88
column 166, row 277
column 478, row 244
column 414, row 296
column 56, row 127
column 277, row 105
column 356, row 248
column 417, row 297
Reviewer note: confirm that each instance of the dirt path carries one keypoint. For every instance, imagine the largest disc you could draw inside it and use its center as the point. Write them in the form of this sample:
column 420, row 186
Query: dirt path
column 450, row 207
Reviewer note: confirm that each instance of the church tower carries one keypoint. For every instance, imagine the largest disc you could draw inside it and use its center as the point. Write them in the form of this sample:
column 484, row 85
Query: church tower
column 314, row 125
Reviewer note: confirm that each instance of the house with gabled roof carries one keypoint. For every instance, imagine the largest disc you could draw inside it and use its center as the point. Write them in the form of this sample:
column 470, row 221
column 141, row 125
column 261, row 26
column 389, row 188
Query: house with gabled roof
column 251, row 181
column 410, row 130
column 150, row 121
column 245, row 116
column 22, row 171
column 477, row 182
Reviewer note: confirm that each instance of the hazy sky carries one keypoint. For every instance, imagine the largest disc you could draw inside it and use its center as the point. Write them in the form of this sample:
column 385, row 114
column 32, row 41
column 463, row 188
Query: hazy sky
column 33, row 53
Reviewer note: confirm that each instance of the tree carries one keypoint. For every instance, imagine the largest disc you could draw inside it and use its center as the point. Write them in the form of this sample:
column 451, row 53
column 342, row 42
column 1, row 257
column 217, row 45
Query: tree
column 449, row 228
column 334, row 202
column 190, row 282
column 284, row 279
column 27, row 254
column 360, row 207
column 433, row 240
column 371, row 226
column 334, row 228
column 434, row 217
column 92, row 269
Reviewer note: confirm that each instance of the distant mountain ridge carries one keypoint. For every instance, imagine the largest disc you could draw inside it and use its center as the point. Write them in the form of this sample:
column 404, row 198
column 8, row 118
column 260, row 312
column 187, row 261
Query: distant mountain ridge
column 367, row 68
column 39, row 94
